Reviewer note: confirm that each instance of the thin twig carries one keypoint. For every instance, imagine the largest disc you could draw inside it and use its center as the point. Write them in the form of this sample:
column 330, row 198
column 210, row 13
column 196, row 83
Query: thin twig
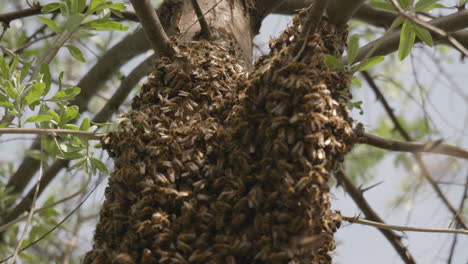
column 403, row 228
column 370, row 214
column 58, row 224
column 31, row 211
column 153, row 28
column 205, row 29
column 204, row 14
column 460, row 208
column 431, row 28
column 52, row 132
column 69, row 197
column 431, row 147
column 424, row 171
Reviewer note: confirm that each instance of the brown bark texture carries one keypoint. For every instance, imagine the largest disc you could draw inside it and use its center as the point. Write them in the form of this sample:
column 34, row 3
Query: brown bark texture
column 221, row 164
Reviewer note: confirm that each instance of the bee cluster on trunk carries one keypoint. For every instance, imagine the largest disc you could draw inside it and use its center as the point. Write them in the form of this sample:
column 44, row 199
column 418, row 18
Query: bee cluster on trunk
column 221, row 165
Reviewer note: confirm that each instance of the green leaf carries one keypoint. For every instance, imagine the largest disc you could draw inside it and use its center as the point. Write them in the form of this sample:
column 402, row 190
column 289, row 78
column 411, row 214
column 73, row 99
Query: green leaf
column 46, row 77
column 81, row 5
column 38, row 118
column 421, row 5
column 70, row 155
column 71, row 127
column 4, row 68
column 117, row 6
column 353, row 46
column 54, row 115
column 407, row 38
column 404, row 3
column 333, row 62
column 35, row 93
column 13, row 65
column 50, row 23
column 25, row 70
column 434, row 6
column 9, row 89
column 85, row 124
column 356, row 81
column 5, row 102
column 93, row 5
column 383, row 5
column 99, row 165
column 105, row 24
column 423, row 34
column 77, row 165
column 371, row 62
column 69, row 114
column 67, row 94
column 50, row 8
column 75, row 52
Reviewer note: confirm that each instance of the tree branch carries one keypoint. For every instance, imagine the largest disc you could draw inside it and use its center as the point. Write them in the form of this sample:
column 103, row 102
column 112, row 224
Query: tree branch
column 431, row 147
column 340, row 11
column 205, row 29
column 457, row 45
column 403, row 228
column 52, row 132
column 450, row 23
column 153, row 28
column 370, row 214
column 424, row 171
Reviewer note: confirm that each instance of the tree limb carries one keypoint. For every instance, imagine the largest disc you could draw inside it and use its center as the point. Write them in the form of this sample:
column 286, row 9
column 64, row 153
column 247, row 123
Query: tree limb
column 450, row 23
column 52, row 132
column 424, row 171
column 370, row 214
column 431, row 147
column 205, row 29
column 435, row 30
column 154, row 30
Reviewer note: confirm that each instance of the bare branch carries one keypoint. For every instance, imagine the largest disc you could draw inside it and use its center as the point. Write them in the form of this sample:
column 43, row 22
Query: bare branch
column 431, row 147
column 370, row 214
column 51, row 132
column 403, row 228
column 431, row 28
column 205, row 29
column 424, row 171
column 153, row 28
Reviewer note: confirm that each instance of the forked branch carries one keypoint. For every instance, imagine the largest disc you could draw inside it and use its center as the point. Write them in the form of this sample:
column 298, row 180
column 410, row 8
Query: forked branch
column 153, row 28
column 205, row 29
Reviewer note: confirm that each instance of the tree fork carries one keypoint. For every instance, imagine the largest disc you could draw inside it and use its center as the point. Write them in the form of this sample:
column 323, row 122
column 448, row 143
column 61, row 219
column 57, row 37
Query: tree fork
column 220, row 166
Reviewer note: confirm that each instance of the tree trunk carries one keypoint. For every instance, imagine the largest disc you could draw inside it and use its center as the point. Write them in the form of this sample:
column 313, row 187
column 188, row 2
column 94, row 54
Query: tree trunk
column 222, row 164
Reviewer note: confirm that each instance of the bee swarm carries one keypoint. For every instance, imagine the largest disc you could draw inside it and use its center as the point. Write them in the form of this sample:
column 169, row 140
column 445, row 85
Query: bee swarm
column 222, row 166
